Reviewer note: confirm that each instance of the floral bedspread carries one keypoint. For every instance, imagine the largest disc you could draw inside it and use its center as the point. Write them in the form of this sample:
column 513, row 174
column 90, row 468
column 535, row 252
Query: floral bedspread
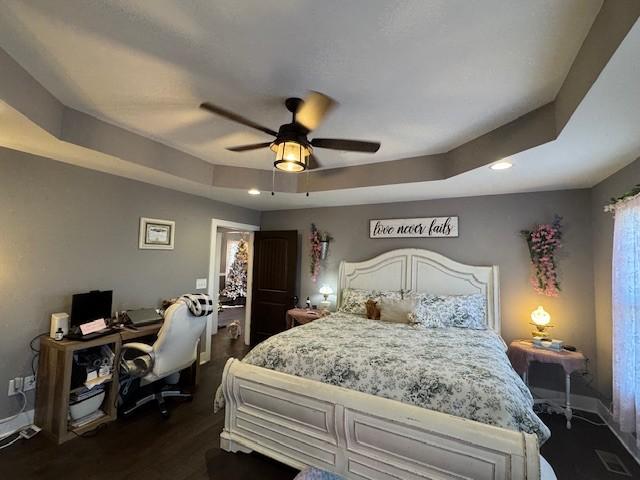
column 457, row 371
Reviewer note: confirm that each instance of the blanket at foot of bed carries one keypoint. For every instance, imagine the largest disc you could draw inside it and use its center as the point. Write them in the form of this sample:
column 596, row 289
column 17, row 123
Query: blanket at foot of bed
column 315, row 474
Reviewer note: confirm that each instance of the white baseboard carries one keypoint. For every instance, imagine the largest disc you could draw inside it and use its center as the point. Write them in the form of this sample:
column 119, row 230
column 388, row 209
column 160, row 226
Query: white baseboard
column 22, row 420
column 593, row 405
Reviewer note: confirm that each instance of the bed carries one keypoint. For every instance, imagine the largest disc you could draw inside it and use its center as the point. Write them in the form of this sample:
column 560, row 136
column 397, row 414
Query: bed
column 371, row 400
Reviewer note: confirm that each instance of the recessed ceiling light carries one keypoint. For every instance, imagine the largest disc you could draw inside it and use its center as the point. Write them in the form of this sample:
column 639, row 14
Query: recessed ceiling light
column 254, row 191
column 501, row 165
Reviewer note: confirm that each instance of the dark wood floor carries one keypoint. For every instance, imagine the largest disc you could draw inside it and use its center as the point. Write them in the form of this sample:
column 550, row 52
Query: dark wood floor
column 572, row 452
column 228, row 315
column 185, row 447
column 146, row 446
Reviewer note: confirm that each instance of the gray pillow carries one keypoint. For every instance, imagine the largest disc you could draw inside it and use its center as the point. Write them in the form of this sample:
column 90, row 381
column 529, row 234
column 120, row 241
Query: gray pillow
column 461, row 311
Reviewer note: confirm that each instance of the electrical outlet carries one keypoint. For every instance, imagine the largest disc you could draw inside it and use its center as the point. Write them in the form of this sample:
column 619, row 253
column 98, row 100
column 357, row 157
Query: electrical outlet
column 12, row 387
column 15, row 385
column 29, row 383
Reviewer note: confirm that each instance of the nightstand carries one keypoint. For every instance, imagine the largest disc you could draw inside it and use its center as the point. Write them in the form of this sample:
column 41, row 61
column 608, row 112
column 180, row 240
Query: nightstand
column 300, row 316
column 522, row 352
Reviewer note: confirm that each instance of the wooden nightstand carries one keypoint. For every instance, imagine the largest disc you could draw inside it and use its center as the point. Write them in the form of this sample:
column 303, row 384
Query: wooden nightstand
column 300, row 316
column 522, row 352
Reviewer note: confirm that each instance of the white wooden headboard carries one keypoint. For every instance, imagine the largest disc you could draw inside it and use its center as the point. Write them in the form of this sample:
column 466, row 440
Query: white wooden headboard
column 417, row 270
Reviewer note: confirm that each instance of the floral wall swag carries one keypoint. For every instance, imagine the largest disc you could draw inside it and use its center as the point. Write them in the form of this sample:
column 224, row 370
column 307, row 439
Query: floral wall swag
column 319, row 245
column 543, row 241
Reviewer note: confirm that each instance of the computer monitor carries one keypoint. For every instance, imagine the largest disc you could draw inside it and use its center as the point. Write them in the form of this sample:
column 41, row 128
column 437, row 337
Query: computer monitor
column 86, row 307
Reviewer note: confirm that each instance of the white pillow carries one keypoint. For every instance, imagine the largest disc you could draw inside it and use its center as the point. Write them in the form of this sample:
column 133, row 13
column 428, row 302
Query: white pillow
column 396, row 311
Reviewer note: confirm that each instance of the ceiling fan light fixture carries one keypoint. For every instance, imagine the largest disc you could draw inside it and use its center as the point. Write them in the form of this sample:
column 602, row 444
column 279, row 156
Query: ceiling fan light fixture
column 291, row 156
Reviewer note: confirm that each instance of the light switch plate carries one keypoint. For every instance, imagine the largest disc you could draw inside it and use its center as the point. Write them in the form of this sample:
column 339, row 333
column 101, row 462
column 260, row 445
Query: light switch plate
column 201, row 283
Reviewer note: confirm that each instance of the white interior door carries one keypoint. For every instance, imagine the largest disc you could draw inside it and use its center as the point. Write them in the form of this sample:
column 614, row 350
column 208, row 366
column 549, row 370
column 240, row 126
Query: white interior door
column 214, row 281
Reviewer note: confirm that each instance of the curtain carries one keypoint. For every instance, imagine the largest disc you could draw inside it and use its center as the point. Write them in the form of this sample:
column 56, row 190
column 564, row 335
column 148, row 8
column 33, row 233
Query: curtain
column 626, row 316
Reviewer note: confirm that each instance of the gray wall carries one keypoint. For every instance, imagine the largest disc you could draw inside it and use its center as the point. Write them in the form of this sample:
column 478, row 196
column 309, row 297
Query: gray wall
column 67, row 229
column 489, row 234
column 615, row 185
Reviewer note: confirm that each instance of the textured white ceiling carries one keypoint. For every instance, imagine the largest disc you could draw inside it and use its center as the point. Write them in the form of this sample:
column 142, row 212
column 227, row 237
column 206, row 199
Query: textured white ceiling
column 602, row 136
column 420, row 76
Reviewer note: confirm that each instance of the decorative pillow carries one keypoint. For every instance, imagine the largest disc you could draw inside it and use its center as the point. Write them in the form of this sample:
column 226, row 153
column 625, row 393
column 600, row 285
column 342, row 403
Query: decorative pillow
column 354, row 299
column 373, row 311
column 462, row 311
column 396, row 311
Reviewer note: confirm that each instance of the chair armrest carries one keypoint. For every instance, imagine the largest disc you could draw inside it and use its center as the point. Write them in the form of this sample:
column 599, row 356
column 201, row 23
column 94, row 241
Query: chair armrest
column 140, row 366
column 143, row 347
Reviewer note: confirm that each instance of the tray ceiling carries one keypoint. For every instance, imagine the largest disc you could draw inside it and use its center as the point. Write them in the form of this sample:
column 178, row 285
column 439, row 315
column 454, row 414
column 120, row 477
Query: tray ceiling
column 420, row 76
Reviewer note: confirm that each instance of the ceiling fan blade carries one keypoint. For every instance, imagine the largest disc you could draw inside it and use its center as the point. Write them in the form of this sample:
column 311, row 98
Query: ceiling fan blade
column 245, row 148
column 313, row 110
column 346, row 145
column 236, row 118
column 313, row 162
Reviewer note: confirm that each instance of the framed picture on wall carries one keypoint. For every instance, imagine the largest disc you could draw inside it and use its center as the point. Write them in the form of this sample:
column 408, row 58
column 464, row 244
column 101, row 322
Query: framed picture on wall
column 156, row 234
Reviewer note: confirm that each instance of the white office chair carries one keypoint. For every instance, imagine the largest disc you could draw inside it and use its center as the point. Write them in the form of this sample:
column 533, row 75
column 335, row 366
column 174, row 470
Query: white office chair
column 175, row 349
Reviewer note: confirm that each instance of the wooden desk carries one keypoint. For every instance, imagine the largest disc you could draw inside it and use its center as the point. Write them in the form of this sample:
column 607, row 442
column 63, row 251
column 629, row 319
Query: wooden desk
column 54, row 381
column 127, row 334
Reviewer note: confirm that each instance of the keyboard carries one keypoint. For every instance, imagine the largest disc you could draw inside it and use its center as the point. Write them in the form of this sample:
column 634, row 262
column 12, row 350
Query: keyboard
column 77, row 334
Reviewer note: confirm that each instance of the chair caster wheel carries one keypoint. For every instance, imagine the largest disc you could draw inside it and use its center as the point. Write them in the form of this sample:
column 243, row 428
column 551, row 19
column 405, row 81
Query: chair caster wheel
column 162, row 405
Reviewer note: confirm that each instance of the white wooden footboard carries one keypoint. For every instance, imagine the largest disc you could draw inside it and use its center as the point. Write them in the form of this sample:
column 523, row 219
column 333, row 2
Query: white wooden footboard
column 302, row 422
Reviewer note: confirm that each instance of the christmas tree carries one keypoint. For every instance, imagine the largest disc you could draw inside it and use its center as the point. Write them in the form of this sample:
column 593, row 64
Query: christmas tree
column 236, row 282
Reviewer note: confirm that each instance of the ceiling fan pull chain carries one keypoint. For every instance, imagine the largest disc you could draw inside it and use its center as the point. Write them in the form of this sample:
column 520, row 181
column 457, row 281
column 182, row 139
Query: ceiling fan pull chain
column 307, row 180
column 273, row 181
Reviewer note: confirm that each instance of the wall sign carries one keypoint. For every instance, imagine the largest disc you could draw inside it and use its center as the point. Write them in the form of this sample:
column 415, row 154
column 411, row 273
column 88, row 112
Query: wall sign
column 429, row 227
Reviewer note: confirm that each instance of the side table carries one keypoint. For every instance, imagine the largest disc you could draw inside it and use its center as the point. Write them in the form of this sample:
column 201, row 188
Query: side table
column 300, row 316
column 521, row 353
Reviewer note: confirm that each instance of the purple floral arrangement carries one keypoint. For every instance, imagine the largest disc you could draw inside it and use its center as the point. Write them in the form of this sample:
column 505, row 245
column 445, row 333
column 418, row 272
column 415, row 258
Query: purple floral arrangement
column 315, row 252
column 543, row 241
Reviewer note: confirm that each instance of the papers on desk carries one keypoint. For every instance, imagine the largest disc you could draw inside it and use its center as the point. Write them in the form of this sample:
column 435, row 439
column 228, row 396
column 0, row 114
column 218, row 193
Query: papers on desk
column 91, row 327
column 93, row 379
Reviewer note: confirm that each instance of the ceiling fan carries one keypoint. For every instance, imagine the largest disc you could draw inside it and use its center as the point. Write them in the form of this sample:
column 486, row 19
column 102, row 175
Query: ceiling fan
column 294, row 152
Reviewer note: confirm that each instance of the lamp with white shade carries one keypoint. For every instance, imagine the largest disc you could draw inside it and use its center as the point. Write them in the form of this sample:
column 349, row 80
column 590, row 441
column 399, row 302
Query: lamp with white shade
column 540, row 319
column 326, row 290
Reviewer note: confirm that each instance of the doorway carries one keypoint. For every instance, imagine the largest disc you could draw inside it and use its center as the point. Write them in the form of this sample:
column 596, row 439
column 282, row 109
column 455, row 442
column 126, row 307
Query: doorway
column 220, row 231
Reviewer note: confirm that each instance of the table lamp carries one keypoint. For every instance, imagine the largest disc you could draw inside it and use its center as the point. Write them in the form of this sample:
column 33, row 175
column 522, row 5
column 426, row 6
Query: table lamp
column 540, row 319
column 325, row 290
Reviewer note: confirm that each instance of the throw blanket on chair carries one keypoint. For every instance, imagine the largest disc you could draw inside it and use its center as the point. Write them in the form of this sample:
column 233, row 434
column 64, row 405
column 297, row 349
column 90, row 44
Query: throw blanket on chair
column 199, row 304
